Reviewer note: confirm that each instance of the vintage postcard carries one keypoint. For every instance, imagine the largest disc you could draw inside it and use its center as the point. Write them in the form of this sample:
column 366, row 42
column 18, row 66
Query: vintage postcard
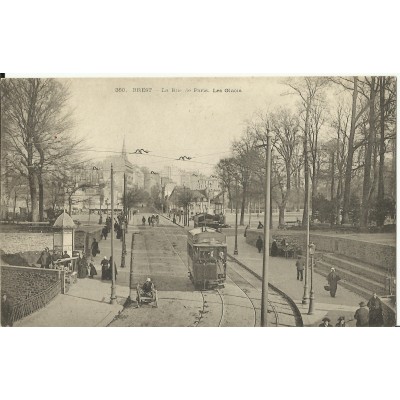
column 198, row 202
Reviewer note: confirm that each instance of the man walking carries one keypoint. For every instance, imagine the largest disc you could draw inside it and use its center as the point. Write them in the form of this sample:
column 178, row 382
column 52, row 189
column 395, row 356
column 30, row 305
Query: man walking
column 300, row 268
column 333, row 279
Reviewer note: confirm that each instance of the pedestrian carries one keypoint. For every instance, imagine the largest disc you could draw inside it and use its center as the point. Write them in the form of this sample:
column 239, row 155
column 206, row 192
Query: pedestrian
column 362, row 315
column 95, row 247
column 259, row 244
column 300, row 268
column 274, row 248
column 82, row 267
column 104, row 268
column 104, row 232
column 92, row 269
column 375, row 311
column 143, row 220
column 157, row 219
column 325, row 322
column 260, row 225
column 333, row 279
column 66, row 255
column 149, row 220
column 44, row 259
column 341, row 323
column 6, row 311
column 110, row 269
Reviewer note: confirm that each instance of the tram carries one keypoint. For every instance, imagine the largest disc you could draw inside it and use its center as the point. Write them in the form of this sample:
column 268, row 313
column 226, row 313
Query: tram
column 209, row 220
column 206, row 248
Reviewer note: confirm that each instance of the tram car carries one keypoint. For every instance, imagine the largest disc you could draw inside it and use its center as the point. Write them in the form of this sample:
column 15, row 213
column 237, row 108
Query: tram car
column 208, row 220
column 206, row 248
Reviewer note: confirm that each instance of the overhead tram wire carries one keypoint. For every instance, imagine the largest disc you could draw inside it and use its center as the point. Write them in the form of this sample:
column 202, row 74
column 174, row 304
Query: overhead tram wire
column 181, row 158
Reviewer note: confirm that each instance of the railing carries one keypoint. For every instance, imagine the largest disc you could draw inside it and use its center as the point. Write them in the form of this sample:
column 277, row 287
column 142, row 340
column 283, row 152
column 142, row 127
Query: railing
column 36, row 302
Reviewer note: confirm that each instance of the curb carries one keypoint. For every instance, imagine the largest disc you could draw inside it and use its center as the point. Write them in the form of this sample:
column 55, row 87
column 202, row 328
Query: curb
column 299, row 317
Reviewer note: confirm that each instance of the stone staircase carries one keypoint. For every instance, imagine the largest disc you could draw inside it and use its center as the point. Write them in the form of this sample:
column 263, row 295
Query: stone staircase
column 360, row 278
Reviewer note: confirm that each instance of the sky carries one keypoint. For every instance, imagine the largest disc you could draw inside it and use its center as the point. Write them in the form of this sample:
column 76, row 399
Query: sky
column 174, row 117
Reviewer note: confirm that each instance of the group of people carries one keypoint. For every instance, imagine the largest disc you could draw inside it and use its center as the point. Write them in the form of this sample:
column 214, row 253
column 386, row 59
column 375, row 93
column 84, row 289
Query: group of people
column 119, row 224
column 152, row 220
column 368, row 314
column 85, row 268
column 47, row 260
column 106, row 269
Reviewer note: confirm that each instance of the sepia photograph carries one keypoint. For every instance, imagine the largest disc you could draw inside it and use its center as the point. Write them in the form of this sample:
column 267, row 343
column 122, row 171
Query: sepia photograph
column 198, row 201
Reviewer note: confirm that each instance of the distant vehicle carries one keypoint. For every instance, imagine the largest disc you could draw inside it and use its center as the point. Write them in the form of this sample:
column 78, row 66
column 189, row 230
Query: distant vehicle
column 206, row 250
column 208, row 220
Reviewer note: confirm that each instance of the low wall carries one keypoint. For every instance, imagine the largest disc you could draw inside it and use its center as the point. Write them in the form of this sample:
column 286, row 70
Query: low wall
column 21, row 283
column 379, row 255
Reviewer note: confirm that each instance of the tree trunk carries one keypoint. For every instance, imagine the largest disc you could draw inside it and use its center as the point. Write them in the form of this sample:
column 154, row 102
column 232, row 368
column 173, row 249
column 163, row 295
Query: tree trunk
column 34, row 199
column 349, row 164
column 243, row 205
column 333, row 176
column 41, row 197
column 381, row 190
column 281, row 214
column 368, row 157
column 306, row 167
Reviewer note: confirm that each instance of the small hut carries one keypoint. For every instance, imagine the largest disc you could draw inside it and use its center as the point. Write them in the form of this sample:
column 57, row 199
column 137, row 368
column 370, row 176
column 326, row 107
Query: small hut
column 63, row 235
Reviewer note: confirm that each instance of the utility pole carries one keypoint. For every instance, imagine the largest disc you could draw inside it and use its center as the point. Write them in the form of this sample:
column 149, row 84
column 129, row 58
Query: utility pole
column 124, row 227
column 305, row 295
column 312, row 255
column 235, row 251
column 264, row 294
column 131, row 270
column 113, row 295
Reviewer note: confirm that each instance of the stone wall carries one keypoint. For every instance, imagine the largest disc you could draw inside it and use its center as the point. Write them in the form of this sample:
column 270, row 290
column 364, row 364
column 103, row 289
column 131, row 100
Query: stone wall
column 379, row 255
column 17, row 242
column 21, row 283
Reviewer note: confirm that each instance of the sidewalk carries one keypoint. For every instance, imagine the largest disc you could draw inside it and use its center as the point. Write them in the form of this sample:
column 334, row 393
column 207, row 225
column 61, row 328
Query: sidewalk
column 282, row 274
column 87, row 304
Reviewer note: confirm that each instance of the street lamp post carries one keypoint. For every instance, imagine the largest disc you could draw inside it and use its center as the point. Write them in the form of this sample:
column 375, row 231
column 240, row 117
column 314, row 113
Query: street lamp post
column 113, row 294
column 124, row 226
column 305, row 295
column 311, row 305
column 235, row 251
column 264, row 294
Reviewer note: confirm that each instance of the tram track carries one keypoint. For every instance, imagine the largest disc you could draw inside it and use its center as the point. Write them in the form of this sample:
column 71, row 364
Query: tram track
column 218, row 307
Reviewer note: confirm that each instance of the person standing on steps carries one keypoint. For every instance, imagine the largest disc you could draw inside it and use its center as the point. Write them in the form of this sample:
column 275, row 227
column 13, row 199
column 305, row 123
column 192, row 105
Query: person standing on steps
column 333, row 279
column 375, row 311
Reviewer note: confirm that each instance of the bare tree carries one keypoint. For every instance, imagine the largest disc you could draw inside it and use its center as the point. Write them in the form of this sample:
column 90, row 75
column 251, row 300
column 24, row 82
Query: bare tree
column 37, row 120
column 285, row 127
column 309, row 90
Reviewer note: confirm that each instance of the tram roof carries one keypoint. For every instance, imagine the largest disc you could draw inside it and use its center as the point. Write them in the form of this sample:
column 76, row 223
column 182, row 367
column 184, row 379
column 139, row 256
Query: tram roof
column 199, row 234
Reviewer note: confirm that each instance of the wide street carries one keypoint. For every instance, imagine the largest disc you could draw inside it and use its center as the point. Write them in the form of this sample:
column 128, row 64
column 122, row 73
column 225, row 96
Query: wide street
column 160, row 253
